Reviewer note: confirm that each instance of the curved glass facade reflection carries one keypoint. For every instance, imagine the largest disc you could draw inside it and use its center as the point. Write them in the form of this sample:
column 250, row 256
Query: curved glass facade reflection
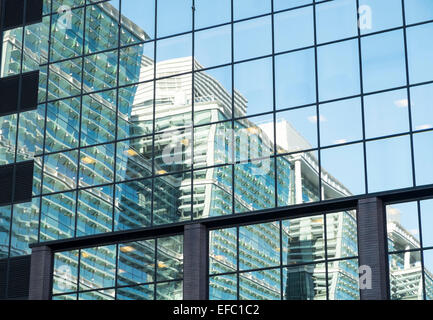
column 145, row 119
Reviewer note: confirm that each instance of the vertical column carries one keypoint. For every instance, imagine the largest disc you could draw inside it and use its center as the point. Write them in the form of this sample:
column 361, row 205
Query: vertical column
column 41, row 273
column 195, row 262
column 372, row 242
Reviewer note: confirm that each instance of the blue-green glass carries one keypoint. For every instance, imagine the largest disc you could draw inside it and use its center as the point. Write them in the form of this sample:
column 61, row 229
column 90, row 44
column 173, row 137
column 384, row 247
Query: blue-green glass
column 11, row 52
column 134, row 159
column 97, row 268
column 169, row 258
column 222, row 251
column 65, row 79
column 143, row 292
column 8, row 135
column 342, row 235
column 65, row 274
column 260, row 285
column 5, row 221
column 307, row 282
column 405, row 263
column 25, row 221
column 136, row 63
column 223, row 287
column 259, row 246
column 343, row 280
column 30, row 134
column 100, row 71
column 133, row 205
column 169, row 291
column 97, row 165
column 95, row 211
column 136, row 263
column 100, row 295
column 58, row 216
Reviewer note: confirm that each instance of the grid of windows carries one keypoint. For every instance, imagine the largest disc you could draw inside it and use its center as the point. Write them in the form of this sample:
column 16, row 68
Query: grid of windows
column 141, row 270
column 311, row 258
column 410, row 247
column 154, row 112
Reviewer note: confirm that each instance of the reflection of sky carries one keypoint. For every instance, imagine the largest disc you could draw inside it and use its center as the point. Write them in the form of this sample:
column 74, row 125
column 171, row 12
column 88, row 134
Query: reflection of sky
column 383, row 65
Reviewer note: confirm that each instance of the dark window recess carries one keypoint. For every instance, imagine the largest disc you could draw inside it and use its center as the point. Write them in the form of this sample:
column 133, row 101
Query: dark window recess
column 14, row 12
column 3, row 278
column 6, row 176
column 19, row 278
column 29, row 91
column 23, row 183
column 9, row 95
column 9, row 91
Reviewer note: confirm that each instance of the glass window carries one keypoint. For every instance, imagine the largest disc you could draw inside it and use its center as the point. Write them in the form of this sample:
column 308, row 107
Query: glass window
column 260, row 285
column 297, row 130
column 343, row 172
column 342, row 275
column 60, row 172
column 249, row 8
column 169, row 291
column 389, row 164
column 223, row 251
column 338, row 70
column 67, row 38
column 136, row 263
column 174, row 16
column 212, row 47
column 8, row 135
column 341, row 237
column 420, row 55
column 422, row 107
column 136, row 63
column 380, row 15
column 294, row 29
column 174, row 55
column 63, row 120
column 58, row 216
column 133, row 205
column 138, row 20
column 284, row 4
column 336, row 20
column 96, row 165
column 295, row 79
column 259, row 246
column 65, row 273
column 25, row 222
column 303, row 240
column 341, row 123
column 97, row 268
column 418, row 10
column 423, row 149
column 426, row 207
column 403, row 216
column 11, row 53
column 169, row 258
column 134, row 159
column 143, row 292
column 383, row 61
column 5, row 221
column 254, row 186
column 306, row 282
column 65, row 79
column 102, row 26
column 386, row 113
column 98, row 118
column 100, row 71
column 252, row 38
column 223, row 287
column 210, row 12
column 95, row 211
column 253, row 81
column 403, row 264
column 71, row 3
column 428, row 279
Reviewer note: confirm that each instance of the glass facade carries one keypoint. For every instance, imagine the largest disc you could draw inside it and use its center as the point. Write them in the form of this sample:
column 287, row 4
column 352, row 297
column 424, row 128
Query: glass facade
column 159, row 112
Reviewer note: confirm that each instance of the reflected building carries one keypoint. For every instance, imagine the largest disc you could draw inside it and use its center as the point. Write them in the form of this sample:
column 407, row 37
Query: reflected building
column 176, row 153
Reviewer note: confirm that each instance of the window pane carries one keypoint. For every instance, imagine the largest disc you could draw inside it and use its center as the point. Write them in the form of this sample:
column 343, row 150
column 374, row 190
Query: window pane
column 305, row 282
column 294, row 29
column 401, row 266
column 169, row 291
column 223, row 287
column 343, row 280
column 222, row 251
column 403, row 217
column 422, row 107
column 144, row 292
column 167, row 50
column 420, row 55
column 384, row 14
column 260, row 285
column 5, row 220
column 174, row 17
column 386, row 113
column 341, row 238
column 418, row 10
column 138, row 20
column 249, row 8
column 383, row 61
column 341, row 122
column 423, row 151
column 65, row 274
column 213, row 47
column 284, row 4
column 338, row 70
column 60, row 172
column 336, row 20
column 343, row 171
column 246, row 35
column 97, row 268
column 210, row 12
column 170, row 258
column 427, row 223
column 389, row 164
column 295, row 79
column 259, row 246
column 253, row 81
